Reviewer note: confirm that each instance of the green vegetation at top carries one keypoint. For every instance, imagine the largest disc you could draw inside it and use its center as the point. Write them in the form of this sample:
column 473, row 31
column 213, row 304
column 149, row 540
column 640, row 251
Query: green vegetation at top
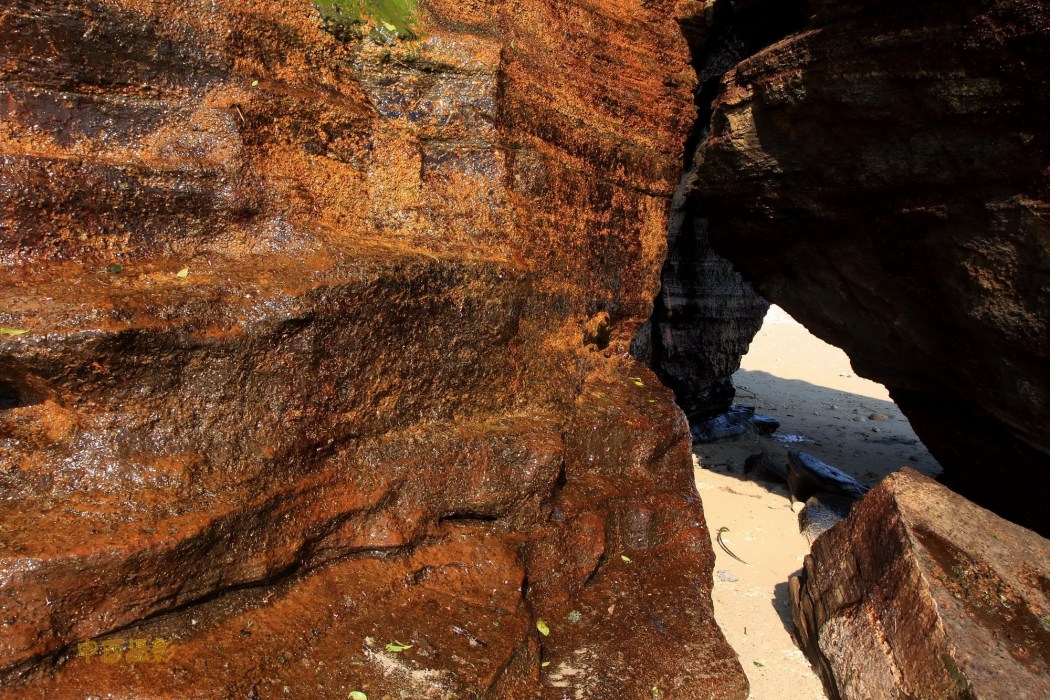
column 384, row 20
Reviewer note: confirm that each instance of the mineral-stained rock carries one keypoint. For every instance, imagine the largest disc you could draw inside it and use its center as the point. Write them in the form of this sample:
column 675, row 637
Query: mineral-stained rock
column 312, row 362
column 882, row 175
column 920, row 593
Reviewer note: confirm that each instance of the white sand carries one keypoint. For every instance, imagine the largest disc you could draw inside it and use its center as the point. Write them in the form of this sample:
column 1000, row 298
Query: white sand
column 846, row 421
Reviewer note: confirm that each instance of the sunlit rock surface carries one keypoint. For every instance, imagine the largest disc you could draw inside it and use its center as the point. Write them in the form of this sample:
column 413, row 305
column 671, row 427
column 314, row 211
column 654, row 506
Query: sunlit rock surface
column 920, row 593
column 326, row 351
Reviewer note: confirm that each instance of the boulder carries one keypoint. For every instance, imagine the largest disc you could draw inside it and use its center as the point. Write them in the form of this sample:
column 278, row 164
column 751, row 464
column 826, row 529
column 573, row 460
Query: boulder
column 882, row 174
column 807, row 475
column 921, row 593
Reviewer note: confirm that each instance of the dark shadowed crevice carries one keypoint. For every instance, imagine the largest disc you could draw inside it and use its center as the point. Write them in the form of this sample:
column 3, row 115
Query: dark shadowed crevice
column 706, row 314
column 10, row 396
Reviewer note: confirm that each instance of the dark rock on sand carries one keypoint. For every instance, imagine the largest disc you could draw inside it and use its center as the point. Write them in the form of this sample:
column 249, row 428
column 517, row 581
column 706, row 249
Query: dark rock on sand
column 807, row 475
column 822, row 511
column 764, row 466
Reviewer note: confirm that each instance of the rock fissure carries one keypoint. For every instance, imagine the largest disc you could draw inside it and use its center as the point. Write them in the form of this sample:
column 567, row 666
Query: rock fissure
column 705, row 314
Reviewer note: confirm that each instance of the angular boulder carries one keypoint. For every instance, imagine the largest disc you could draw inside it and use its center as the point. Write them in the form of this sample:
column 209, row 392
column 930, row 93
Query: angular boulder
column 921, row 593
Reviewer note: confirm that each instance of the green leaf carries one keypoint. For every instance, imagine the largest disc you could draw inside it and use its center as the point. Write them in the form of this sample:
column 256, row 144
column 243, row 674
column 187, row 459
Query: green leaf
column 255, row 83
column 545, row 664
column 397, row 647
column 114, row 269
column 13, row 332
column 389, row 27
column 543, row 628
column 183, row 273
column 356, row 695
column 626, row 559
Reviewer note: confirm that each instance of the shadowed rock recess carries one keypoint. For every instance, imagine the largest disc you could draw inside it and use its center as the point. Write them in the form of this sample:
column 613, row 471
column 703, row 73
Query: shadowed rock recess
column 883, row 175
column 324, row 386
column 705, row 314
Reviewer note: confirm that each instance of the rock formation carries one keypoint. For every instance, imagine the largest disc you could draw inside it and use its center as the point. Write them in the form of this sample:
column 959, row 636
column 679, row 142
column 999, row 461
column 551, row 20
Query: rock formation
column 882, row 175
column 920, row 593
column 313, row 372
column 705, row 315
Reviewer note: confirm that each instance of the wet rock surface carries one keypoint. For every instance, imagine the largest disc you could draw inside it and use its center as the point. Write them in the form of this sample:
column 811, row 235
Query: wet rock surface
column 882, row 176
column 325, row 352
column 922, row 593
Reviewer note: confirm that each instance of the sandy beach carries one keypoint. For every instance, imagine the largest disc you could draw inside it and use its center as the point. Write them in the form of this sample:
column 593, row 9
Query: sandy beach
column 828, row 411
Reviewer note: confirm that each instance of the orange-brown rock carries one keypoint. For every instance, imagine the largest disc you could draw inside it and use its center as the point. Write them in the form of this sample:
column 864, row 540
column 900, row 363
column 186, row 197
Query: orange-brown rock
column 307, row 370
column 921, row 593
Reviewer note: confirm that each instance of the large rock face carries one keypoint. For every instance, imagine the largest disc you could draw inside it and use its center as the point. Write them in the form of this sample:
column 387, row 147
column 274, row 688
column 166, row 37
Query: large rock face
column 326, row 349
column 920, row 593
column 883, row 176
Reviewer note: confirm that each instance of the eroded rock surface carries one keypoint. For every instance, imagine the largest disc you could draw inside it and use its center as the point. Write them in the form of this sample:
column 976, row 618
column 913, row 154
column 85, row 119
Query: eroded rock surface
column 309, row 365
column 921, row 593
column 882, row 175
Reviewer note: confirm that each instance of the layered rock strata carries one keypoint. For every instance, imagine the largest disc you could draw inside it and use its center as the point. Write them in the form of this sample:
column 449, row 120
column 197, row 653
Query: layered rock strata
column 920, row 593
column 705, row 314
column 882, row 175
column 313, row 373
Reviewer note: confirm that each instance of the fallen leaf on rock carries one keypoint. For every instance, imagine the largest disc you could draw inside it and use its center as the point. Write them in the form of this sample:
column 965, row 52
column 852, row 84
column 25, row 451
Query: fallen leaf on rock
column 396, row 646
column 183, row 273
column 357, row 695
column 626, row 559
column 543, row 628
column 4, row 330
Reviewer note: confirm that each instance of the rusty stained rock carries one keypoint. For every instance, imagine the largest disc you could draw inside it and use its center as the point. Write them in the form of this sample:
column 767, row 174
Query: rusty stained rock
column 882, row 175
column 306, row 368
column 921, row 593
